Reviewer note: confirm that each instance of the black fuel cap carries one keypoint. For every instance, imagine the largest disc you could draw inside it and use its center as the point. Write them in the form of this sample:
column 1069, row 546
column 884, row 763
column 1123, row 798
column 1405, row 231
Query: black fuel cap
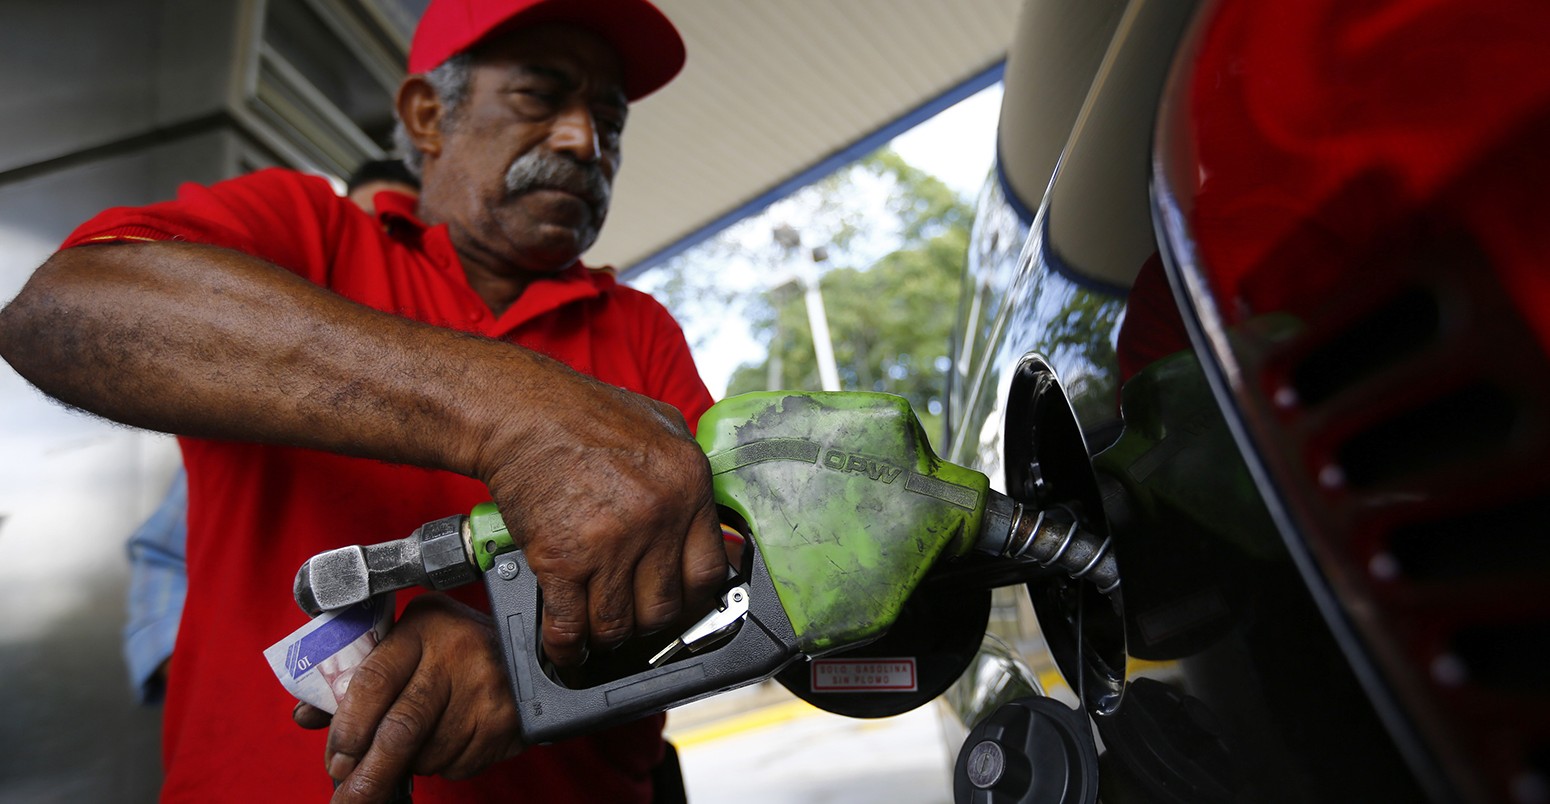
column 1033, row 750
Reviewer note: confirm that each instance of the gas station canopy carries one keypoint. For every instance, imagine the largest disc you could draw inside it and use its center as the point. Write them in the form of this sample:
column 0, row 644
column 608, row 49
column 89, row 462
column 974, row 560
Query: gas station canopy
column 773, row 89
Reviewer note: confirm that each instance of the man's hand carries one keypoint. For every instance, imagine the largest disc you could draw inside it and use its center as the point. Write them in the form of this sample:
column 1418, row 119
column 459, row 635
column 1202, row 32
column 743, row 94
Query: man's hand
column 432, row 699
column 609, row 497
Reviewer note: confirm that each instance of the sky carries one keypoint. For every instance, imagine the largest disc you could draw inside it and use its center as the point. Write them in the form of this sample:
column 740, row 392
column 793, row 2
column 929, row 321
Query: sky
column 957, row 146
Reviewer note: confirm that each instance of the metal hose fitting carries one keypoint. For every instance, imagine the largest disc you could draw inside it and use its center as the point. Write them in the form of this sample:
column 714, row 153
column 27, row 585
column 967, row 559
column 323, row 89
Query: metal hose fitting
column 1051, row 538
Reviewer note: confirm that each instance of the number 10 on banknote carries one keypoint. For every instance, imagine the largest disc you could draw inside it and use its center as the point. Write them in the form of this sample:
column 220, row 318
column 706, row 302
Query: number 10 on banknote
column 315, row 662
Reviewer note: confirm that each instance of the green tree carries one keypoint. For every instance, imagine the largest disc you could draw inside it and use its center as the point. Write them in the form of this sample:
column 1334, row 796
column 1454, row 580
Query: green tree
column 890, row 320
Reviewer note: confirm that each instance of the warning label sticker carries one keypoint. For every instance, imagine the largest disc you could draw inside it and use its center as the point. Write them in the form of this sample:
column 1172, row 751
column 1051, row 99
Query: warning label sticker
column 864, row 675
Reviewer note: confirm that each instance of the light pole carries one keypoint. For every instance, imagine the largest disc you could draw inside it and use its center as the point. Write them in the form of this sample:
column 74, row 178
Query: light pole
column 806, row 276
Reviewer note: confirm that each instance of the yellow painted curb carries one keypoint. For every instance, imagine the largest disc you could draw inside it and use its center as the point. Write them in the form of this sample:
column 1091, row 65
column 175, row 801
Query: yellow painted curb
column 1050, row 678
column 757, row 719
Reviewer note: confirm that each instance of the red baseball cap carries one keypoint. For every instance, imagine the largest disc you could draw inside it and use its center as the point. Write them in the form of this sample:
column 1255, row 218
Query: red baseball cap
column 648, row 45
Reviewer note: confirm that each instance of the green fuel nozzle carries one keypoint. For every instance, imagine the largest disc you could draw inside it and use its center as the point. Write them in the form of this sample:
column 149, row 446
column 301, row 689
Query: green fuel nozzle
column 846, row 510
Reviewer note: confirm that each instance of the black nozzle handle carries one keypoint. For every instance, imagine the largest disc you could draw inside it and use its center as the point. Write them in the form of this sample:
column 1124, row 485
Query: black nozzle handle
column 550, row 711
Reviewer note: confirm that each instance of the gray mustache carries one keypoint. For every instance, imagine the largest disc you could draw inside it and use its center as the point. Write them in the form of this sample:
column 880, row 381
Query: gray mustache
column 540, row 170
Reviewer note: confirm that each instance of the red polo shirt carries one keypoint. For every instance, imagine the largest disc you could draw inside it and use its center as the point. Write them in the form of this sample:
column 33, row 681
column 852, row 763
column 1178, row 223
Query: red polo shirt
column 257, row 512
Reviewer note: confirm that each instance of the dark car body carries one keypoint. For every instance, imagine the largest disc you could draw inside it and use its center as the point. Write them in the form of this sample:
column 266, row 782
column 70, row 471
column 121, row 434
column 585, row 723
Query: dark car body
column 1257, row 288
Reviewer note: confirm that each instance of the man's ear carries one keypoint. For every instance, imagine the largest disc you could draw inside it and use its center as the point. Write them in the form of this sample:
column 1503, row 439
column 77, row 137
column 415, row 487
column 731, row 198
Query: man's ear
column 421, row 111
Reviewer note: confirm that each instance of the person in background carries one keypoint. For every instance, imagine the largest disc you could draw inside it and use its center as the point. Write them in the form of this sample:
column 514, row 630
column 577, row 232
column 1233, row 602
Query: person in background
column 158, row 564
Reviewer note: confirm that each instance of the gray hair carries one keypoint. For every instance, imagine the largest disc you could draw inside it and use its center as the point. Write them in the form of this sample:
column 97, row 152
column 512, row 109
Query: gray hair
column 450, row 80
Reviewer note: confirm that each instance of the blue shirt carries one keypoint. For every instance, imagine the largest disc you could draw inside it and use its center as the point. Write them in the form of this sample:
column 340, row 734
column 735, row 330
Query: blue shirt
column 158, row 582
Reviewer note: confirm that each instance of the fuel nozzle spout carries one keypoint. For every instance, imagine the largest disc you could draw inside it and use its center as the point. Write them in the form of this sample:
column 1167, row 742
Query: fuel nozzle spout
column 435, row 555
column 1050, row 537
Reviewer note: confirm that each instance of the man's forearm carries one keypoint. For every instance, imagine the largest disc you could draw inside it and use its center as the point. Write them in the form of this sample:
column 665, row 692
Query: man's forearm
column 208, row 342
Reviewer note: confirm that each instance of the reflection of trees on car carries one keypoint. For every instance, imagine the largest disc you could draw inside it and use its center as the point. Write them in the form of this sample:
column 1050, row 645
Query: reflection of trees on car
column 1083, row 331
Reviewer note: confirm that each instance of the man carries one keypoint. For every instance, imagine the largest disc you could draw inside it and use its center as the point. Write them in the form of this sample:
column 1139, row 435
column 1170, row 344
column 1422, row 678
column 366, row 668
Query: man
column 287, row 338
column 158, row 567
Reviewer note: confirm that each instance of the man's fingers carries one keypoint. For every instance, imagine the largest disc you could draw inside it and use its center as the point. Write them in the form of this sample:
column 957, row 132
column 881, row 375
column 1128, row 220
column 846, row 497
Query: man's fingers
column 432, row 698
column 374, row 687
column 659, row 594
column 366, row 785
column 403, row 731
column 704, row 558
column 472, row 756
column 406, row 727
column 611, row 604
column 441, row 753
column 370, row 783
column 565, row 621
column 308, row 716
